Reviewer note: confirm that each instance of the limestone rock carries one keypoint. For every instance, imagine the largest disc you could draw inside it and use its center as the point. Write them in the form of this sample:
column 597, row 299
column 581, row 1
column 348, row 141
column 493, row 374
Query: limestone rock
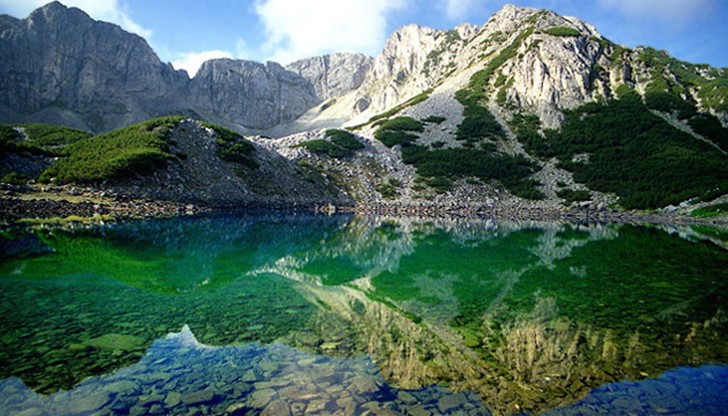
column 250, row 95
column 333, row 75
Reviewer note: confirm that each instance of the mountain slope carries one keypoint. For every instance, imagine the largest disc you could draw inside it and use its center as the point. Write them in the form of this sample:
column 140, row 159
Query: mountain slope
column 483, row 97
column 62, row 67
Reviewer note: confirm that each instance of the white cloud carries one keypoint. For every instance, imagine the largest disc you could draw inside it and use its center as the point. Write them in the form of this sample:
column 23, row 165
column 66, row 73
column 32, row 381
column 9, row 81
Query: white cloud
column 298, row 29
column 192, row 61
column 458, row 9
column 106, row 10
column 671, row 10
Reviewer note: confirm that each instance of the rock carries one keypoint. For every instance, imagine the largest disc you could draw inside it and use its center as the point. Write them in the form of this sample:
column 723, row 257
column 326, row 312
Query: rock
column 197, row 397
column 87, row 403
column 333, row 75
column 362, row 386
column 249, row 94
column 451, row 401
column 76, row 71
column 276, row 408
column 173, row 399
column 259, row 399
column 114, row 341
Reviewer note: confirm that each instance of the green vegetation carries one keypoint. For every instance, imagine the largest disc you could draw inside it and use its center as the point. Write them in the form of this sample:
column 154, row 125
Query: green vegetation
column 480, row 79
column 135, row 150
column 712, row 89
column 344, row 139
column 41, row 139
column 708, row 126
column 635, row 154
column 393, row 111
column 342, row 144
column 45, row 136
column 328, row 104
column 710, row 211
column 562, row 31
column 440, row 166
column 389, row 188
column 232, row 147
column 570, row 196
column 398, row 131
column 478, row 123
column 15, row 178
column 526, row 128
column 434, row 119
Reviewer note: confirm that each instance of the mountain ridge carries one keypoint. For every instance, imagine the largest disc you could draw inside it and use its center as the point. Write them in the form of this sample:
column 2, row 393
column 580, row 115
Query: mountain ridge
column 479, row 114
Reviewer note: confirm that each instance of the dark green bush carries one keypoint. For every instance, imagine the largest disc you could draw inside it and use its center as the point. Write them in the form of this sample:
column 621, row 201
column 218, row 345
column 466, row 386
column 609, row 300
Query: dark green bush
column 708, row 126
column 434, row 119
column 344, row 139
column 15, row 178
column 449, row 164
column 637, row 155
column 135, row 150
column 562, row 31
column 343, row 144
column 397, row 131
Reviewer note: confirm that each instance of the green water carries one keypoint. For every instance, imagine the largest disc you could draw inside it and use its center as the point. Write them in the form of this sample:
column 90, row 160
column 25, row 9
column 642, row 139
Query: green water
column 528, row 315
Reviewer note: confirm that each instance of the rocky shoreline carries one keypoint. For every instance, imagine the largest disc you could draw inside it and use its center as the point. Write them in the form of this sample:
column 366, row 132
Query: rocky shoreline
column 13, row 209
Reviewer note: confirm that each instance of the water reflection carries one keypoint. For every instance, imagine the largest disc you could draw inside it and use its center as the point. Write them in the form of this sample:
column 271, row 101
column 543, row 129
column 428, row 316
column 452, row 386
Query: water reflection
column 529, row 315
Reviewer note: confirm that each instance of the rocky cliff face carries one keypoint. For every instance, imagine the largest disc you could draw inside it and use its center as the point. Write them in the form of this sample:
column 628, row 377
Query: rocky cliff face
column 333, row 75
column 60, row 65
column 539, row 62
column 249, row 95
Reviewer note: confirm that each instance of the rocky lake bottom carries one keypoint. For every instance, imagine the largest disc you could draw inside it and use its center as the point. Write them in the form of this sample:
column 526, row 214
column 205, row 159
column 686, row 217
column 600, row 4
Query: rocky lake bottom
column 313, row 314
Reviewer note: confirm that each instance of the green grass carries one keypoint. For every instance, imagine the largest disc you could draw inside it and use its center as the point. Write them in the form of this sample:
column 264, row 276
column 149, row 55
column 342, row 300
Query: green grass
column 389, row 188
column 636, row 155
column 562, row 31
column 710, row 211
column 135, row 150
column 344, row 139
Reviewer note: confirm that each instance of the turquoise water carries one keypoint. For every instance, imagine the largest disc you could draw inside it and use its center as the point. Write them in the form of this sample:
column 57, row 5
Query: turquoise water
column 524, row 317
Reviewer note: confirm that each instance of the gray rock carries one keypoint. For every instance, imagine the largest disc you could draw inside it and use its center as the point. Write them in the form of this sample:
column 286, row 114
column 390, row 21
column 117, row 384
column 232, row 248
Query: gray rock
column 333, row 75
column 250, row 95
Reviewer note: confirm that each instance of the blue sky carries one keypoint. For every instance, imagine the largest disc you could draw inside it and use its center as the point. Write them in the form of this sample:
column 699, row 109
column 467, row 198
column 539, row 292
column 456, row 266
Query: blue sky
column 185, row 32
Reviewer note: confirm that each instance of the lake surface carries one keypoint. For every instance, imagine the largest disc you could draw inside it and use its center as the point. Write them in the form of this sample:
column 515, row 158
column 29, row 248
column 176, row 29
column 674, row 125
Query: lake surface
column 354, row 315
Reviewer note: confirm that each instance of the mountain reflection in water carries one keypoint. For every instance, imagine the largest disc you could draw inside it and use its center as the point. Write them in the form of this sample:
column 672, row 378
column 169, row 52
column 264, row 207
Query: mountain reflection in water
column 527, row 315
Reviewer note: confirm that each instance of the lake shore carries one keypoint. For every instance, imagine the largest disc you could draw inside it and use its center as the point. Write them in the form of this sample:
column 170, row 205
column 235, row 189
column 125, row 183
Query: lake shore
column 67, row 204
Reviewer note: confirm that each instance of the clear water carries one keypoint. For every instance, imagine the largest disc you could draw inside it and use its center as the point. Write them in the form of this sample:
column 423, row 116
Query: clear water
column 524, row 317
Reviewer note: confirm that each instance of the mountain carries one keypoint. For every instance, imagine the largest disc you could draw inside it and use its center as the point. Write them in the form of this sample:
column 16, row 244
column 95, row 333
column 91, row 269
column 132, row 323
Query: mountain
column 62, row 67
column 530, row 110
column 59, row 65
column 531, row 105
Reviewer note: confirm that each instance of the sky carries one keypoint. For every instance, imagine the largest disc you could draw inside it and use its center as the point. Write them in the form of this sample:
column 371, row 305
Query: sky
column 188, row 32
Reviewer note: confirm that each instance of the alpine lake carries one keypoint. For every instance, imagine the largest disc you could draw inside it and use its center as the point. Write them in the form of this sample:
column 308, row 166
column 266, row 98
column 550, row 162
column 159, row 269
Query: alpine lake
column 288, row 314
